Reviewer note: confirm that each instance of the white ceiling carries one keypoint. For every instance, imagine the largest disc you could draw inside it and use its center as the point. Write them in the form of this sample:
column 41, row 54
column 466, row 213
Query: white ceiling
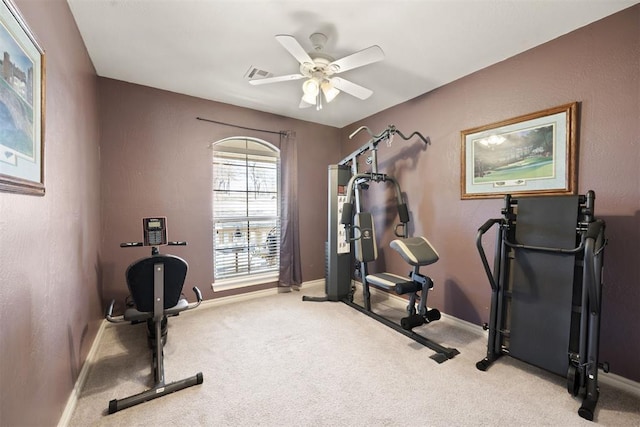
column 204, row 48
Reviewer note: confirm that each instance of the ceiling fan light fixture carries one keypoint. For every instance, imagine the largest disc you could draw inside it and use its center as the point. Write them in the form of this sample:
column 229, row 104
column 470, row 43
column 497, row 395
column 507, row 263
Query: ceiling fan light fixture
column 309, row 99
column 311, row 87
column 329, row 91
column 310, row 90
column 304, row 104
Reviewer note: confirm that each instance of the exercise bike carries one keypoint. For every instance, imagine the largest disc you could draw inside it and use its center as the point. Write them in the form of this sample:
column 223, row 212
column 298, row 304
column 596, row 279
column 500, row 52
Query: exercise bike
column 155, row 286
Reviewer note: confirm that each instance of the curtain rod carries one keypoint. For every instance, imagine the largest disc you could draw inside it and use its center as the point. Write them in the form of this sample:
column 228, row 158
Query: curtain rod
column 281, row 133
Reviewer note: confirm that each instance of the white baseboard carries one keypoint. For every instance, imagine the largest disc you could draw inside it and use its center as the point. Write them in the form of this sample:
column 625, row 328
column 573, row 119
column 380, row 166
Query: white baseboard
column 256, row 294
column 82, row 377
column 216, row 302
column 313, row 284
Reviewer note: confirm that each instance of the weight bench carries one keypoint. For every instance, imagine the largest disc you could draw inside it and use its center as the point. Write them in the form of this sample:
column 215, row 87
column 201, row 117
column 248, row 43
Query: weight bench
column 155, row 284
column 546, row 289
column 417, row 252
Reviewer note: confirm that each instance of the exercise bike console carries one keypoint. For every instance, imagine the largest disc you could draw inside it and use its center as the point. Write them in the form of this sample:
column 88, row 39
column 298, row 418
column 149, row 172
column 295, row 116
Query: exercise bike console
column 154, row 234
column 155, row 231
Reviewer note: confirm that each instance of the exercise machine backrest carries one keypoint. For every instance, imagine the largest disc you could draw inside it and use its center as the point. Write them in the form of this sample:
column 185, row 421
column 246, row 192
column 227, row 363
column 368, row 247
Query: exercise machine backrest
column 366, row 249
column 141, row 278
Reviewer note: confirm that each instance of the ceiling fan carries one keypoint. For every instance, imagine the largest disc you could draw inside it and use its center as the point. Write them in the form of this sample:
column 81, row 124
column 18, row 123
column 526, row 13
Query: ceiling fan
column 319, row 70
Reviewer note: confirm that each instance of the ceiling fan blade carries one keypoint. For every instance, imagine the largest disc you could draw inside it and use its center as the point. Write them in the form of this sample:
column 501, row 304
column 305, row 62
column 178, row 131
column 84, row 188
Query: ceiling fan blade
column 291, row 44
column 351, row 88
column 364, row 57
column 276, row 79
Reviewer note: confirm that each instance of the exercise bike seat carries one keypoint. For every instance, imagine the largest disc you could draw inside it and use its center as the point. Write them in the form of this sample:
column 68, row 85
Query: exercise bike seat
column 416, row 251
column 134, row 315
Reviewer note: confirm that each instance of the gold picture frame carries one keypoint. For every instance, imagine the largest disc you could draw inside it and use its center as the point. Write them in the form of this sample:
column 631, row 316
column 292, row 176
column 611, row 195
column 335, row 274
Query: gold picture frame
column 22, row 105
column 534, row 154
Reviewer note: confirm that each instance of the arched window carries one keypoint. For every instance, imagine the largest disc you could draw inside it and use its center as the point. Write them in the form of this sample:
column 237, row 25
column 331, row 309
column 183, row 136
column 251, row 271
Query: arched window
column 246, row 212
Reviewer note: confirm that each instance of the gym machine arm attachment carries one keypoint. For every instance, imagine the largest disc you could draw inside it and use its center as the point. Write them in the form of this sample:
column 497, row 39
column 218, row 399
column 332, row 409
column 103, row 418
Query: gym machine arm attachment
column 373, row 175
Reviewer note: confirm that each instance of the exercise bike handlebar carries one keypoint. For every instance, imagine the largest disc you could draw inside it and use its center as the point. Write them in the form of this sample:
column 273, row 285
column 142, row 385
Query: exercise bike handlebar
column 130, row 244
column 198, row 298
column 108, row 314
column 136, row 244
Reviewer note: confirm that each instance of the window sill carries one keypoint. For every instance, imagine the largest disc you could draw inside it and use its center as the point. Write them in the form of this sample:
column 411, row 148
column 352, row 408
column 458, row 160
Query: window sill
column 243, row 282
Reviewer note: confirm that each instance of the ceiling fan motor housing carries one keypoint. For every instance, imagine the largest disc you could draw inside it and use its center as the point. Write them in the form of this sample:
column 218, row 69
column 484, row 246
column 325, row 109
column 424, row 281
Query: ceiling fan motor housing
column 321, row 65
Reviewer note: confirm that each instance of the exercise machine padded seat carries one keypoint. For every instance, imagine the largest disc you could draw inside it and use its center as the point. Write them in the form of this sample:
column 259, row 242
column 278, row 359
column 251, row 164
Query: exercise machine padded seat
column 416, row 251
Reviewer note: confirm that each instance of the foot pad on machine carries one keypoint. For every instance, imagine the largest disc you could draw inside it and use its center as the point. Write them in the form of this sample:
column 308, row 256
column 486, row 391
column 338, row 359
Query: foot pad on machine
column 415, row 320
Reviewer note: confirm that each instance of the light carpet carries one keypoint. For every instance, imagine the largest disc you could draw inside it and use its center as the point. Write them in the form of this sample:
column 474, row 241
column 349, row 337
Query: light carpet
column 279, row 361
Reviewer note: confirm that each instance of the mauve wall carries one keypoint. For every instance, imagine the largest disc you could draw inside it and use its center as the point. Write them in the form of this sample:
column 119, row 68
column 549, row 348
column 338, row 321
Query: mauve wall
column 49, row 246
column 598, row 66
column 156, row 161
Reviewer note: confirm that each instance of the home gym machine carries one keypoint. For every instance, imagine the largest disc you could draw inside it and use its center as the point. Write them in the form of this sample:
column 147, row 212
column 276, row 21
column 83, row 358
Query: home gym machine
column 155, row 284
column 546, row 289
column 353, row 231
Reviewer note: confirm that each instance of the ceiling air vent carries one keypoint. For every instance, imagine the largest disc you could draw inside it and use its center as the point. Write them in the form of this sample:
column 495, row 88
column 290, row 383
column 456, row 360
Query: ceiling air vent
column 256, row 73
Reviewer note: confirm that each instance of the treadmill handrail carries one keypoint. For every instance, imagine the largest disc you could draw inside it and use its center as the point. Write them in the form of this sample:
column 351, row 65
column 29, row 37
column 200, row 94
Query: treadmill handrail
column 594, row 234
column 546, row 249
column 481, row 231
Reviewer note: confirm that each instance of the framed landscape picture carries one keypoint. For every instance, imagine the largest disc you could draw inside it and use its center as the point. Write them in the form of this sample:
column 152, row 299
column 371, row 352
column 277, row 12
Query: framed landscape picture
column 532, row 154
column 21, row 105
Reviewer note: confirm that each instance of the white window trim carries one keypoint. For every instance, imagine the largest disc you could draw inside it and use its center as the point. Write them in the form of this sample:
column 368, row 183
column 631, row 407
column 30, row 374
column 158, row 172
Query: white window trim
column 253, row 279
column 244, row 281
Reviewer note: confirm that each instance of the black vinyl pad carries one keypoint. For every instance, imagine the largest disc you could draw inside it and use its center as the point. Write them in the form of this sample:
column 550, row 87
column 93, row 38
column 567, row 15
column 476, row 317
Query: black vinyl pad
column 366, row 249
column 140, row 280
column 543, row 282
